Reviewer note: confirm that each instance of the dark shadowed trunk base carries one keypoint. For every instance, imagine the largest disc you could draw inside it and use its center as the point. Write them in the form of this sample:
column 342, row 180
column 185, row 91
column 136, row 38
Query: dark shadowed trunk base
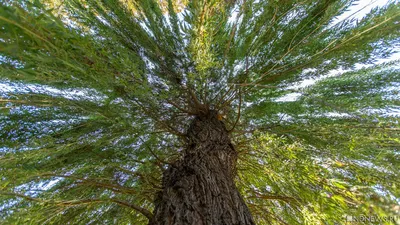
column 199, row 189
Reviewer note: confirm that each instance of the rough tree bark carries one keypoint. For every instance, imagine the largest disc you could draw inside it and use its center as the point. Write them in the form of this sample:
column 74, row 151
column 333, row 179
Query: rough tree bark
column 199, row 189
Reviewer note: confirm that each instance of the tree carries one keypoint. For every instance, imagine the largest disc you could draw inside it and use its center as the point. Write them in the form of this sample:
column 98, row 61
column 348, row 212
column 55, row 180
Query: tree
column 178, row 112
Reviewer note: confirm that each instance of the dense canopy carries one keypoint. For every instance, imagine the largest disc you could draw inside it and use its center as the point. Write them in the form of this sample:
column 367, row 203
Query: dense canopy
column 96, row 97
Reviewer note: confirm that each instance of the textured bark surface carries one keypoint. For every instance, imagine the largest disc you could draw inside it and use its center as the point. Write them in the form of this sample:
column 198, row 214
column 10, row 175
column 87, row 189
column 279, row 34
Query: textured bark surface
column 199, row 189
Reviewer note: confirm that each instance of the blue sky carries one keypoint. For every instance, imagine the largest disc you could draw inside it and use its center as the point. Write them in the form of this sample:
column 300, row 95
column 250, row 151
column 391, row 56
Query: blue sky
column 357, row 11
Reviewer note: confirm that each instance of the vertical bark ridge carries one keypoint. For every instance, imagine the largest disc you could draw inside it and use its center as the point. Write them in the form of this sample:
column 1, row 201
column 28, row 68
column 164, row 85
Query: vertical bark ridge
column 199, row 189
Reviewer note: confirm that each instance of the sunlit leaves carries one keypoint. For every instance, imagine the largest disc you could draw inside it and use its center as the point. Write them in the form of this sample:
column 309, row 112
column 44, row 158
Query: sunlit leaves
column 306, row 185
column 99, row 94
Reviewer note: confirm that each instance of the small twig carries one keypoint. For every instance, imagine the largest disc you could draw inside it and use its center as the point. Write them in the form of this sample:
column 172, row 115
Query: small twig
column 238, row 116
column 180, row 108
column 223, row 96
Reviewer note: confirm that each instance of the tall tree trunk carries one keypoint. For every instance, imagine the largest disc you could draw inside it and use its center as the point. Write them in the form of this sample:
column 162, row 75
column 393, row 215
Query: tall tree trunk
column 199, row 189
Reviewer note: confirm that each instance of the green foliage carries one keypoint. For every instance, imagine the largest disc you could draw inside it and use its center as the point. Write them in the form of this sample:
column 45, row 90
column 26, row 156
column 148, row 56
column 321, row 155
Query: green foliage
column 99, row 94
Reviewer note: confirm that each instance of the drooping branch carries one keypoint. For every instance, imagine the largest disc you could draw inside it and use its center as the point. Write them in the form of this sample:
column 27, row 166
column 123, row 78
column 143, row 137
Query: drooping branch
column 90, row 182
column 139, row 209
column 159, row 161
column 143, row 211
column 274, row 197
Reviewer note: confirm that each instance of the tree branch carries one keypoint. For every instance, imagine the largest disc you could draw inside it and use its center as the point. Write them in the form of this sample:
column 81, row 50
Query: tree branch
column 143, row 211
column 139, row 209
column 112, row 187
column 195, row 99
column 180, row 108
column 238, row 116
